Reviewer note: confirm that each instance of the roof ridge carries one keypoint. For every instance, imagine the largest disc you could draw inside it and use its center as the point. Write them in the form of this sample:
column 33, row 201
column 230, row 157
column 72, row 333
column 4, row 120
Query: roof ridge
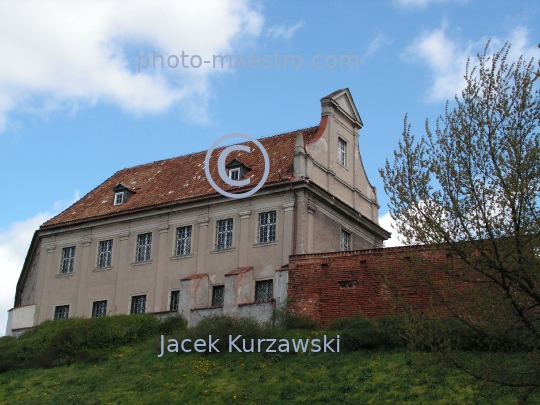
column 204, row 150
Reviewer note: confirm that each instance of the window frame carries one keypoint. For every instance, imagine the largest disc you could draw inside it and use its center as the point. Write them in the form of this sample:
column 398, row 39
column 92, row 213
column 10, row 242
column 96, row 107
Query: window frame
column 259, row 284
column 228, row 241
column 132, row 305
column 139, row 248
column 69, row 268
column 57, row 312
column 349, row 241
column 175, row 300
column 342, row 153
column 187, row 249
column 267, row 232
column 108, row 262
column 121, row 194
column 235, row 170
column 221, row 302
column 101, row 313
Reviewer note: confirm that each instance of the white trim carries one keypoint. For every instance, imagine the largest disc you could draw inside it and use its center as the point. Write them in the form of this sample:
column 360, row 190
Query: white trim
column 116, row 195
column 235, row 170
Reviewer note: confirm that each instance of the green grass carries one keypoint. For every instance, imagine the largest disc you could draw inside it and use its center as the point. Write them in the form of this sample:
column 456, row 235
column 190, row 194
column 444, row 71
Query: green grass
column 135, row 375
column 113, row 360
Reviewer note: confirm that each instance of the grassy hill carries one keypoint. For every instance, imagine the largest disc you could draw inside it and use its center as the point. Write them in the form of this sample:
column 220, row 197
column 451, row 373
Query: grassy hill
column 132, row 373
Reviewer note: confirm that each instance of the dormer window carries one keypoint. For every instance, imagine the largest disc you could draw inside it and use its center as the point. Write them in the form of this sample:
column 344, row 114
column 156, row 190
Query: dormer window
column 234, row 174
column 121, row 194
column 237, row 170
column 118, row 198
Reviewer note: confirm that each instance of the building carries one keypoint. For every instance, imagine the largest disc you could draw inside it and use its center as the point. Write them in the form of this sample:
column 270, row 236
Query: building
column 157, row 237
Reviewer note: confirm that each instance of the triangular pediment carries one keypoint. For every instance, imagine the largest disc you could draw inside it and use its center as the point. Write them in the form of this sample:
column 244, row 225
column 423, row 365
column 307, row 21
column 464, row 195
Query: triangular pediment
column 344, row 101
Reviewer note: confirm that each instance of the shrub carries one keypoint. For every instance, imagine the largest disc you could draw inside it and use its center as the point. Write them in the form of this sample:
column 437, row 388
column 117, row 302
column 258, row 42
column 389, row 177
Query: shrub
column 288, row 321
column 67, row 340
column 172, row 324
column 363, row 333
column 221, row 327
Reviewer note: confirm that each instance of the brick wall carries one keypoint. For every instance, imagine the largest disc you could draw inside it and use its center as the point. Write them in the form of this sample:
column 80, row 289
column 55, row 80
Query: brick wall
column 327, row 286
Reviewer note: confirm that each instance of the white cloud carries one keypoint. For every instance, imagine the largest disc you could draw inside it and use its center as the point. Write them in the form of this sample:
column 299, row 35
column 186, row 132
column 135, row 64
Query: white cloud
column 446, row 58
column 388, row 223
column 284, row 31
column 66, row 54
column 14, row 244
column 378, row 42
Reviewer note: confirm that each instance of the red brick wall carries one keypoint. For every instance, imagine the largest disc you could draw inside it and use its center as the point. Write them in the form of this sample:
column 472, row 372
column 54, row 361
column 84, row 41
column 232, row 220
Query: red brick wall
column 327, row 286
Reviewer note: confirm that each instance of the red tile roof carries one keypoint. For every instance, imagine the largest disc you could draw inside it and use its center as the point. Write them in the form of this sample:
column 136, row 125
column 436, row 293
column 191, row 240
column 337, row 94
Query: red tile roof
column 180, row 179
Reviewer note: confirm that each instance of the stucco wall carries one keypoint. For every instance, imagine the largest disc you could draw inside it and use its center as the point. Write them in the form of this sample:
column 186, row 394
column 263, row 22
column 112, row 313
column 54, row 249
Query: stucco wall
column 19, row 319
column 162, row 274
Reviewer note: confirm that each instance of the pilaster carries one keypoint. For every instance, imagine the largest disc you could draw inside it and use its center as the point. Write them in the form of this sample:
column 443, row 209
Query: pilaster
column 81, row 296
column 160, row 297
column 123, row 267
column 243, row 245
column 202, row 249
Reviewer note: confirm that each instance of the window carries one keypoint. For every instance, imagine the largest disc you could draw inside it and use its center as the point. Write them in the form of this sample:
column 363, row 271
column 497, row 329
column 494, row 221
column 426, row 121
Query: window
column 104, row 253
column 99, row 309
column 61, row 312
column 68, row 258
column 175, row 298
column 118, row 198
column 342, row 152
column 264, row 290
column 234, row 174
column 224, row 234
column 138, row 304
column 345, row 241
column 144, row 243
column 267, row 227
column 183, row 241
column 218, row 295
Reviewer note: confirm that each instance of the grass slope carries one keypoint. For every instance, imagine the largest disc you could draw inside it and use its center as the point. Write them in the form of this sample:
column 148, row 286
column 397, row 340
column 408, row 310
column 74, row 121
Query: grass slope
column 134, row 374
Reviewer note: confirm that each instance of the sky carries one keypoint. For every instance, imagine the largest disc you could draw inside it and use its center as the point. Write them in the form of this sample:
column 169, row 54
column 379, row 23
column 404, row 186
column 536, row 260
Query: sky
column 80, row 97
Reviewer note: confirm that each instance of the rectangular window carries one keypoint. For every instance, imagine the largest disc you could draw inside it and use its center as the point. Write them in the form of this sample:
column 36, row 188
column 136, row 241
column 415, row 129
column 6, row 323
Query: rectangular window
column 267, row 227
column 345, row 241
column 175, row 298
column 264, row 290
column 234, row 174
column 104, row 253
column 68, row 259
column 342, row 152
column 183, row 241
column 224, row 234
column 144, row 244
column 61, row 312
column 99, row 309
column 138, row 304
column 218, row 295
column 118, row 198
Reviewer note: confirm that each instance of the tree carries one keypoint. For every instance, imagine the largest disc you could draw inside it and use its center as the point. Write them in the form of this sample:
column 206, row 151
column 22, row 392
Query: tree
column 472, row 187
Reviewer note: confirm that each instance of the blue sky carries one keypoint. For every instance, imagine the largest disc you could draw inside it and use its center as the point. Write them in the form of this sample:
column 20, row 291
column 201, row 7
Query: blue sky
column 74, row 109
